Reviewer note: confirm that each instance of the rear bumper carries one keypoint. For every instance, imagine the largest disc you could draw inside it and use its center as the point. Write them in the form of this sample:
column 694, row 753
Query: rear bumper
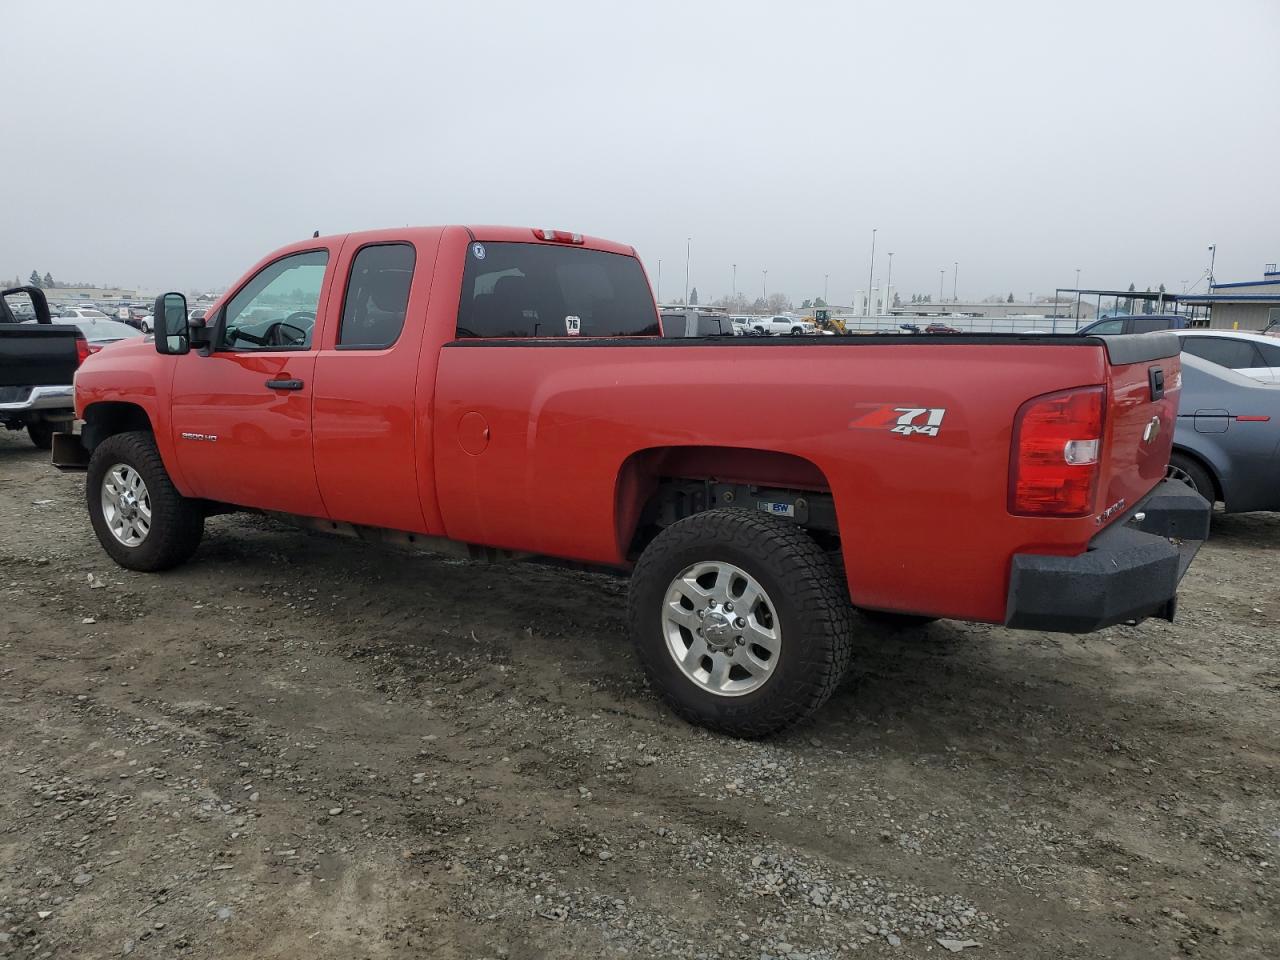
column 15, row 401
column 1130, row 572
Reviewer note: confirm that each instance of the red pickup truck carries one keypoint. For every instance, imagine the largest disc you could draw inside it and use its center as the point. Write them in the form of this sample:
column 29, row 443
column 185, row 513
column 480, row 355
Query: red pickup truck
column 504, row 391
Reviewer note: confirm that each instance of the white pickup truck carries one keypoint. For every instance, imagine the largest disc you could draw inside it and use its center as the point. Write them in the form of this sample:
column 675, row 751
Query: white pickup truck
column 783, row 326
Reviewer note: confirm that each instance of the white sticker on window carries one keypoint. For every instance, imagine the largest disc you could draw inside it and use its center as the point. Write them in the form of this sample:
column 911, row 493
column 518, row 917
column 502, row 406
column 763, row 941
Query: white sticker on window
column 477, row 251
column 572, row 325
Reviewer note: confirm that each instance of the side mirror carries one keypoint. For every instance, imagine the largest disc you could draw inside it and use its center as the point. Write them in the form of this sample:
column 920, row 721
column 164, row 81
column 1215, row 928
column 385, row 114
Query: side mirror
column 170, row 320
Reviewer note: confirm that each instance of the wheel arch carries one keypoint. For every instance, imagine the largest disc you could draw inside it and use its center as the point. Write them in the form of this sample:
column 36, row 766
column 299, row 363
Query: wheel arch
column 106, row 418
column 640, row 476
column 1204, row 462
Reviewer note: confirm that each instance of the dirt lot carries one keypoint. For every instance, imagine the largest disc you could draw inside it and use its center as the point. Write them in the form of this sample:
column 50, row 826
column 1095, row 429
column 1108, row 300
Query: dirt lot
column 303, row 747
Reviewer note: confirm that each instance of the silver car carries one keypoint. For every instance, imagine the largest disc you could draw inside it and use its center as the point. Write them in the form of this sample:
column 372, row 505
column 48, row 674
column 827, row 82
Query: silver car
column 1228, row 437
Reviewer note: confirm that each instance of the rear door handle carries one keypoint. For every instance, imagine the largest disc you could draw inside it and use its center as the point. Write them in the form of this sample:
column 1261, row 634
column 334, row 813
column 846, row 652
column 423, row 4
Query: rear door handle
column 284, row 384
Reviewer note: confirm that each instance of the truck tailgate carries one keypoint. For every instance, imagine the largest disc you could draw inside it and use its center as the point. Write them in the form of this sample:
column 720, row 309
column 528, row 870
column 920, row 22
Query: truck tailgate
column 1144, row 382
column 33, row 355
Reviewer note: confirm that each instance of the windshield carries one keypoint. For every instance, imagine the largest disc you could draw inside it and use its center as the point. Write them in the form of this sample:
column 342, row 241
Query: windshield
column 545, row 290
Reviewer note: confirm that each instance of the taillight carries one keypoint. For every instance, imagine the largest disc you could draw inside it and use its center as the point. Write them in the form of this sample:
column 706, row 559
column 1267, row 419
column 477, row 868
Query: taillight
column 1057, row 439
column 558, row 236
column 82, row 350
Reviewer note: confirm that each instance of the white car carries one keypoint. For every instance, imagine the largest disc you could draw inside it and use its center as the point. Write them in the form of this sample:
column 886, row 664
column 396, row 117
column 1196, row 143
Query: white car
column 1251, row 354
column 782, row 325
column 81, row 313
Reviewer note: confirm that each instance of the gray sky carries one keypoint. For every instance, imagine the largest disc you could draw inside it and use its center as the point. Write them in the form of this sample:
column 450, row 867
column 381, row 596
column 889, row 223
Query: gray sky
column 168, row 144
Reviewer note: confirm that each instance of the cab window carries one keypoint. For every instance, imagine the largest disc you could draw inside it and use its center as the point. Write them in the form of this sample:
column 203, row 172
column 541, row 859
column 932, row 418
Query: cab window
column 276, row 310
column 377, row 296
column 546, row 290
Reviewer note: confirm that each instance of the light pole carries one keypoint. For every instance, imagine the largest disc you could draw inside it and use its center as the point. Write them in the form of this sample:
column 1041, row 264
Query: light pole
column 688, row 249
column 1077, row 298
column 1213, row 255
column 942, row 278
column 871, row 272
column 735, row 281
column 955, row 280
column 826, row 279
column 888, row 282
column 764, row 286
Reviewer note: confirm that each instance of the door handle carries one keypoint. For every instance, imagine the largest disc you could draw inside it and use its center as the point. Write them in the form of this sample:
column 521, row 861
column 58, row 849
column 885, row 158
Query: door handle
column 284, row 384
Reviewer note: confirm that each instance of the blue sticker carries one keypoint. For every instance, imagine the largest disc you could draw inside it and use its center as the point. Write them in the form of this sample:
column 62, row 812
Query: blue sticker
column 477, row 251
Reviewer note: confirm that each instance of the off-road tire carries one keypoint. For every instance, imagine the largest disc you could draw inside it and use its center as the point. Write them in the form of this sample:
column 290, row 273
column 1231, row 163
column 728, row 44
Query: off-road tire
column 177, row 524
column 811, row 604
column 41, row 434
column 1200, row 478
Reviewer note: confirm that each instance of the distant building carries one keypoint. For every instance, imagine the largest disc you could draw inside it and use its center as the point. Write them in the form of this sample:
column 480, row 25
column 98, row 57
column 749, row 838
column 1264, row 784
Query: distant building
column 1066, row 307
column 1247, row 305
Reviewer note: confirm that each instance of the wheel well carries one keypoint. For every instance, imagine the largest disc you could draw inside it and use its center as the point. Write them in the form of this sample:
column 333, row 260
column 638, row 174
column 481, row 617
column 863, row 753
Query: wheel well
column 1208, row 468
column 658, row 486
column 105, row 419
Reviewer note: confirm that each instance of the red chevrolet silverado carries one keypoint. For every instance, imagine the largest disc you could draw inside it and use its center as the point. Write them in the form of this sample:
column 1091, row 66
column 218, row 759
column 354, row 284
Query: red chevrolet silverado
column 502, row 391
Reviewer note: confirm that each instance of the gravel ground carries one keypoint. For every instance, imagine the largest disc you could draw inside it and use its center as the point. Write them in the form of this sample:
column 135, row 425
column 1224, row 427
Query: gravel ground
column 298, row 746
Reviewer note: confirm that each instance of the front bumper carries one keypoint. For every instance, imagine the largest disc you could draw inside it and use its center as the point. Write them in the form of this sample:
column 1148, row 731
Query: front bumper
column 1130, row 571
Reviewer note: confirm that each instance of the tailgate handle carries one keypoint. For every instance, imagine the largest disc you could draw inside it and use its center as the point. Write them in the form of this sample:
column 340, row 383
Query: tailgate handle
column 284, row 384
column 1155, row 377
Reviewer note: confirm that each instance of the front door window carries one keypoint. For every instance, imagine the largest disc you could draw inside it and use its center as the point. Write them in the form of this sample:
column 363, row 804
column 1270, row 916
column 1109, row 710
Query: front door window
column 276, row 310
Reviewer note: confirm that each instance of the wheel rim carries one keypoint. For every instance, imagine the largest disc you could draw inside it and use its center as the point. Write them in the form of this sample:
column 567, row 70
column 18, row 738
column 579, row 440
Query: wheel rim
column 126, row 504
column 721, row 628
column 1177, row 473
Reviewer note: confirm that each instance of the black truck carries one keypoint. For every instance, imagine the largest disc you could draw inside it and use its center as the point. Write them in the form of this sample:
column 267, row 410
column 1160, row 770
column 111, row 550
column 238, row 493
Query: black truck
column 38, row 361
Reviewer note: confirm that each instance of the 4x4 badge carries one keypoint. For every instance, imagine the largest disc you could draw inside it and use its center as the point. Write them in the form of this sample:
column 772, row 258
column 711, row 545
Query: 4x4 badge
column 906, row 421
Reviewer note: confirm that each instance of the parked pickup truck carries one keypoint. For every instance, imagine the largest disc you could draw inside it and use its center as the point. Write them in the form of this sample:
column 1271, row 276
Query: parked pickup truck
column 503, row 391
column 37, row 364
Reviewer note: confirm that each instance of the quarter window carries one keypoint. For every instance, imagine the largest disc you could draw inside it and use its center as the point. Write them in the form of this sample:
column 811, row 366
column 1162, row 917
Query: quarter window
column 276, row 310
column 377, row 297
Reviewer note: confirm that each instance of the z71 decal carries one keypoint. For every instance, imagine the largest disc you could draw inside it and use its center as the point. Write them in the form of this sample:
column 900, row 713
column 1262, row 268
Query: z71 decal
column 906, row 421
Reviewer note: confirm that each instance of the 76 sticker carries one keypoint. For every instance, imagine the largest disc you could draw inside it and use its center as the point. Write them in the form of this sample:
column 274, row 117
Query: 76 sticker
column 905, row 421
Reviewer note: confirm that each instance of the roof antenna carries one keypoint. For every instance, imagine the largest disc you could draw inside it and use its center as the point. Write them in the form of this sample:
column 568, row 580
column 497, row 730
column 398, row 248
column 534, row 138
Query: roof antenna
column 315, row 234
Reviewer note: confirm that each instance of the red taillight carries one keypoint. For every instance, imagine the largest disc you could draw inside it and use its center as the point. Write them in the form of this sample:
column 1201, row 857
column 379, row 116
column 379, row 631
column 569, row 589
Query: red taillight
column 558, row 236
column 1057, row 440
column 82, row 350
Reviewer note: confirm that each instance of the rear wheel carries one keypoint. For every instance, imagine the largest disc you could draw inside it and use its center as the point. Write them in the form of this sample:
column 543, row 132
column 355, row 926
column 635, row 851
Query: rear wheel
column 41, row 434
column 1193, row 474
column 740, row 622
column 140, row 518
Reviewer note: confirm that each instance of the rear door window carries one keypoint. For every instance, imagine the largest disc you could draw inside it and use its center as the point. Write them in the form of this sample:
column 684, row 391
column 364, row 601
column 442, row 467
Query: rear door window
column 377, row 296
column 1224, row 351
column 545, row 290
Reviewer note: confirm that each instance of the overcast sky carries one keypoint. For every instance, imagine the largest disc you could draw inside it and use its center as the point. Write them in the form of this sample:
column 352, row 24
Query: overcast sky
column 167, row 144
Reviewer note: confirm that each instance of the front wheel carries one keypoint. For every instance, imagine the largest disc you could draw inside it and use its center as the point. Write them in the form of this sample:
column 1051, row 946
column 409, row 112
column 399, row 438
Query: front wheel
column 141, row 519
column 740, row 622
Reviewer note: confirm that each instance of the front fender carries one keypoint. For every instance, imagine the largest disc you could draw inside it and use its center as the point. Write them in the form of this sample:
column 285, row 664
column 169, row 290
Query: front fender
column 133, row 374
